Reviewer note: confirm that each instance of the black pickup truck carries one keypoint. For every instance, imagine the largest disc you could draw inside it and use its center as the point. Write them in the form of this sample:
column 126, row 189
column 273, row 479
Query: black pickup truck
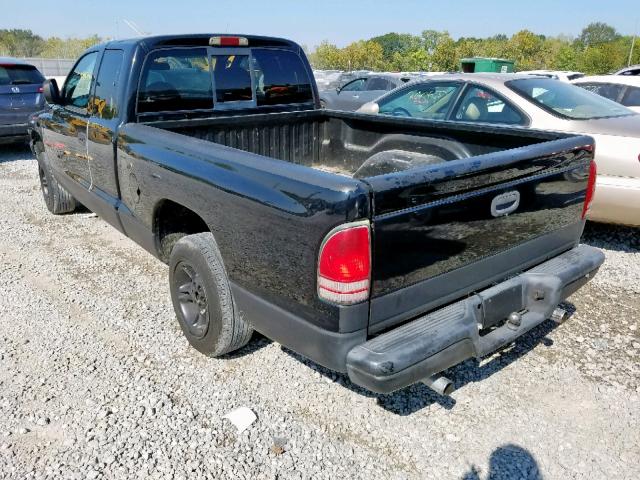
column 387, row 248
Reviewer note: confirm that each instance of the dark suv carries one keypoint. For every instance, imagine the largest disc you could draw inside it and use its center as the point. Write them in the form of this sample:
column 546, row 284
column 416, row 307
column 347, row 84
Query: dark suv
column 20, row 96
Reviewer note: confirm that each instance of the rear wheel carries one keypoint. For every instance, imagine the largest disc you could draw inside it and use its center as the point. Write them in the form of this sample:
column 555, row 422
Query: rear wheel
column 202, row 298
column 57, row 199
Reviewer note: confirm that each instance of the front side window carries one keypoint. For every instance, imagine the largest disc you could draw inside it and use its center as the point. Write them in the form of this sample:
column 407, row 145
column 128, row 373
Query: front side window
column 566, row 100
column 482, row 105
column 176, row 79
column 378, row 83
column 606, row 90
column 631, row 97
column 78, row 85
column 20, row 75
column 354, row 86
column 280, row 77
column 428, row 101
column 105, row 98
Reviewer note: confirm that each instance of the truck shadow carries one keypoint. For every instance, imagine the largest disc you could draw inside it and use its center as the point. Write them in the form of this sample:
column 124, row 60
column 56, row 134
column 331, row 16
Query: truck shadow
column 611, row 237
column 418, row 396
column 15, row 152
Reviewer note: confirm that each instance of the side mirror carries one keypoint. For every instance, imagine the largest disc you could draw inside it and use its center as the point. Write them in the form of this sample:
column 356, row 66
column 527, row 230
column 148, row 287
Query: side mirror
column 371, row 108
column 51, row 92
column 338, row 90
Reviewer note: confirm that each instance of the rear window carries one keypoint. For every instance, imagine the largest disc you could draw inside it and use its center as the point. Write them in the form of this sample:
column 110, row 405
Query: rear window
column 176, row 79
column 280, row 77
column 19, row 75
column 182, row 79
column 565, row 100
column 232, row 78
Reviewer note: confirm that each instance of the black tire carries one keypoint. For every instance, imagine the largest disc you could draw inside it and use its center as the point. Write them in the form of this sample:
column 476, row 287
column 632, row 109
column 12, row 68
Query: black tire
column 57, row 199
column 202, row 297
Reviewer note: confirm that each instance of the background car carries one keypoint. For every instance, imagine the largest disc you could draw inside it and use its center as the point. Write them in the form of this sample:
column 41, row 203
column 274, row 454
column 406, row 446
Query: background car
column 565, row 76
column 541, row 103
column 361, row 90
column 20, row 96
column 624, row 89
column 630, row 70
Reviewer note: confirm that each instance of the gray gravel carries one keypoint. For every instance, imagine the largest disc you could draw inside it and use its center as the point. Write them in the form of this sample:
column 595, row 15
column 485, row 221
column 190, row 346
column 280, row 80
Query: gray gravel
column 96, row 380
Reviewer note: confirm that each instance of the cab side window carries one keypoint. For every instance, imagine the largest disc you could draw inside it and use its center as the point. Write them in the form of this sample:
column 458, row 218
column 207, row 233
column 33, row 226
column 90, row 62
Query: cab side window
column 78, row 85
column 105, row 98
column 354, row 86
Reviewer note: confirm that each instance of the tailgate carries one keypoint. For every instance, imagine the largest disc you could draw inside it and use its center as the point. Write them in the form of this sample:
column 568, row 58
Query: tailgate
column 444, row 231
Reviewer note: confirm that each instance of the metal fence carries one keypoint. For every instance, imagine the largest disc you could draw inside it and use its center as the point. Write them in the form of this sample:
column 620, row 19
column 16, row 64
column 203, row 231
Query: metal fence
column 52, row 67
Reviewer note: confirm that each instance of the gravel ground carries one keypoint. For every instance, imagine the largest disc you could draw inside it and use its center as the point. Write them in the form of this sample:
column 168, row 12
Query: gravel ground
column 96, row 380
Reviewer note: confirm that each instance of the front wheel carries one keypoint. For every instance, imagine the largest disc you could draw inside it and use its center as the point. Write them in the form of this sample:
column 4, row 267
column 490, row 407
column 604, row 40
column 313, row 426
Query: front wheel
column 57, row 199
column 202, row 298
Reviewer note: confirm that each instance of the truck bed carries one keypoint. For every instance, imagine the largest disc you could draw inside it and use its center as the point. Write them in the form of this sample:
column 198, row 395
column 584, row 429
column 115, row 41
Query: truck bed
column 341, row 142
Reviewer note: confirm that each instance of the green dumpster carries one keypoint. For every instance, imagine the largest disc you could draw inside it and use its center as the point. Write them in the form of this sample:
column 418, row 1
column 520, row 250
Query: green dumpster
column 482, row 64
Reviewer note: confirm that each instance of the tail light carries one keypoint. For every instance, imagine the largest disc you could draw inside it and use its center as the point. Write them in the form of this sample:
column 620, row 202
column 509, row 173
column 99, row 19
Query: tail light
column 344, row 265
column 229, row 42
column 591, row 188
column 40, row 89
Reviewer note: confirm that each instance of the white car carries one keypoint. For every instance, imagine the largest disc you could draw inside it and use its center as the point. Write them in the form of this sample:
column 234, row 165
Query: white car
column 541, row 103
column 563, row 75
column 624, row 89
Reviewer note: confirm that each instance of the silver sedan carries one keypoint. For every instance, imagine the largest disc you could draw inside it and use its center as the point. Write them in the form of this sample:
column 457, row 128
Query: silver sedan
column 541, row 103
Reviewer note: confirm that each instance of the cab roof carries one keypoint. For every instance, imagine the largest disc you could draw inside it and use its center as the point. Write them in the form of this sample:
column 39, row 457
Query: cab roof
column 13, row 61
column 196, row 40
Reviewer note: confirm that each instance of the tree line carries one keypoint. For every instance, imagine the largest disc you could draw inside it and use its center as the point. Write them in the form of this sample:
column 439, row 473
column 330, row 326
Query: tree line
column 599, row 49
column 24, row 43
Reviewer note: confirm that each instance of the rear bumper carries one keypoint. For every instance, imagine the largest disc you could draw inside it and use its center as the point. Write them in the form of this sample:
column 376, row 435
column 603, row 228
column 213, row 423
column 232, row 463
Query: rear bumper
column 14, row 133
column 446, row 337
column 617, row 200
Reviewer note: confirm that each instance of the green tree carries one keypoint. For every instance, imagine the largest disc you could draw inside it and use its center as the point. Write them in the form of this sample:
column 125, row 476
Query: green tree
column 597, row 33
column 21, row 43
column 525, row 48
column 363, row 55
column 397, row 43
column 444, row 58
column 327, row 56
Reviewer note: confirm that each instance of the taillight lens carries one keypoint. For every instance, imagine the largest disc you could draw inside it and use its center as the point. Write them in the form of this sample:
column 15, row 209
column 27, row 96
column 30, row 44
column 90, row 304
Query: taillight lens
column 591, row 188
column 344, row 265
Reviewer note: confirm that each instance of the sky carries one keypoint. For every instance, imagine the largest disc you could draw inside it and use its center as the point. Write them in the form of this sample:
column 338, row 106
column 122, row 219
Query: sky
column 309, row 22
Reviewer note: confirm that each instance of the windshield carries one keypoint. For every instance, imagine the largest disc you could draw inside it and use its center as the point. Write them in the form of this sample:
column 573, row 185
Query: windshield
column 566, row 100
column 19, row 75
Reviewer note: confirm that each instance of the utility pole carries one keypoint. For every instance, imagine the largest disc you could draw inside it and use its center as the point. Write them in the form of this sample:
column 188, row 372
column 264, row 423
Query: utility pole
column 633, row 42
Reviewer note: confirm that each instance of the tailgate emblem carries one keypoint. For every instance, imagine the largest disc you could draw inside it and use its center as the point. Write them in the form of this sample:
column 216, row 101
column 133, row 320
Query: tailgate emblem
column 505, row 203
column 15, row 89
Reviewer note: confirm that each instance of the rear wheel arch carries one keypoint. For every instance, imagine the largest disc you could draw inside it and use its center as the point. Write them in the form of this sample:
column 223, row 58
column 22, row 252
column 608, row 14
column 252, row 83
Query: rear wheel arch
column 173, row 221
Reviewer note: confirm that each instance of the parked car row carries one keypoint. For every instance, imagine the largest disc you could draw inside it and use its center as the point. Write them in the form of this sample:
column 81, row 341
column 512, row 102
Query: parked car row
column 538, row 102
